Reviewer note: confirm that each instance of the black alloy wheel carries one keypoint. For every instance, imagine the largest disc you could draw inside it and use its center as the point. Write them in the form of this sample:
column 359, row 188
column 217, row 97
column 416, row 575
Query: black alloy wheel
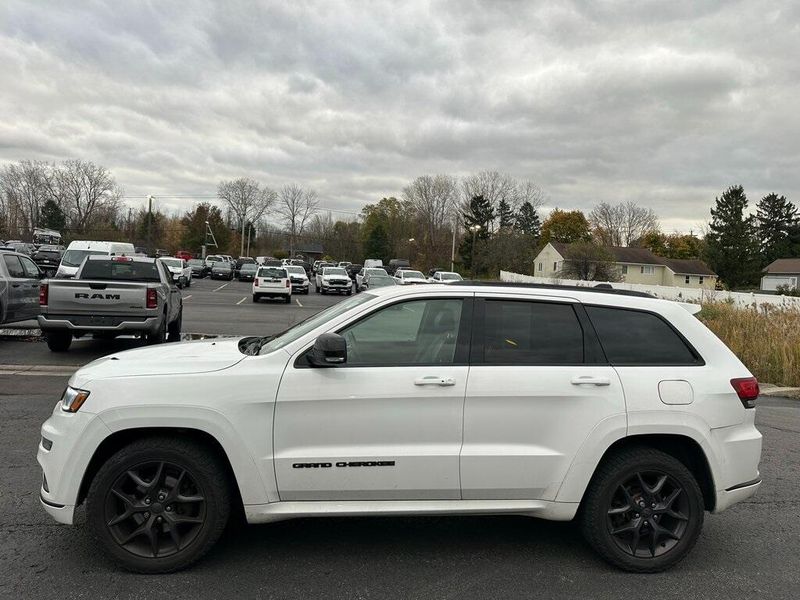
column 155, row 509
column 649, row 514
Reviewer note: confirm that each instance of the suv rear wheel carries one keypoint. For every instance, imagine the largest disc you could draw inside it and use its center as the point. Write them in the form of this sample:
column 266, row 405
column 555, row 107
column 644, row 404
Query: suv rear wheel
column 159, row 504
column 59, row 341
column 643, row 511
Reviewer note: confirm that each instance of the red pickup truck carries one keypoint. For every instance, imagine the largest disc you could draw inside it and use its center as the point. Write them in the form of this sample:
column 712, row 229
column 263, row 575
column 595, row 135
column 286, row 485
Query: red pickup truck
column 184, row 254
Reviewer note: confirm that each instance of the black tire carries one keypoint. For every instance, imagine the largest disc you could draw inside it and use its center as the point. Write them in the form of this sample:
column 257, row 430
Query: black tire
column 637, row 521
column 316, row 288
column 306, row 291
column 255, row 297
column 174, row 329
column 288, row 299
column 199, row 520
column 158, row 337
column 59, row 341
column 349, row 292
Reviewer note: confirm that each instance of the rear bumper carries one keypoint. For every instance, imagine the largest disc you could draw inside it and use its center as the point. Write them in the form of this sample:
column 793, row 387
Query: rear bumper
column 64, row 323
column 274, row 292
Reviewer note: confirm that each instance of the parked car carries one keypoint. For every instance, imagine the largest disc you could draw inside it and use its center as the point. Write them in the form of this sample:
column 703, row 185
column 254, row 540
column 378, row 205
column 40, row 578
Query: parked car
column 314, row 267
column 333, row 280
column 260, row 260
column 344, row 264
column 20, row 247
column 373, row 262
column 273, row 262
column 19, row 287
column 184, row 254
column 353, row 269
column 47, row 258
column 199, row 268
column 222, row 269
column 272, row 282
column 373, row 281
column 78, row 250
column 368, row 271
column 110, row 296
column 635, row 436
column 298, row 278
column 445, row 277
column 409, row 277
column 247, row 272
column 242, row 260
column 396, row 263
column 162, row 252
column 179, row 269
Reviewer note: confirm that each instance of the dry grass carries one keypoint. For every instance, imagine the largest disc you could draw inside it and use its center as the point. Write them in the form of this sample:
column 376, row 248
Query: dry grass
column 766, row 339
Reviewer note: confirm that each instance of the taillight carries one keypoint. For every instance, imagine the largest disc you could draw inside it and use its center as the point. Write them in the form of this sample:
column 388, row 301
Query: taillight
column 43, row 294
column 747, row 390
column 287, row 283
column 152, row 298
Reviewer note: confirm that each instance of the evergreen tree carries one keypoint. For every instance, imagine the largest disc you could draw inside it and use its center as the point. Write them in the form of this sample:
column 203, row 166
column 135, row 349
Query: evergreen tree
column 376, row 242
column 732, row 242
column 528, row 220
column 776, row 217
column 506, row 214
column 51, row 216
column 476, row 227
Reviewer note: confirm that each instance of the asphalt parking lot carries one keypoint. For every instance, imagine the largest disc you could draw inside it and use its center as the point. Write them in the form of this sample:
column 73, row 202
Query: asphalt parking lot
column 750, row 551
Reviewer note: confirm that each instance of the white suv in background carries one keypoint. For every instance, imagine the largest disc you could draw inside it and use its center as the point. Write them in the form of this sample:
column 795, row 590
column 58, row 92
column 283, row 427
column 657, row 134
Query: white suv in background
column 272, row 282
column 621, row 411
column 298, row 279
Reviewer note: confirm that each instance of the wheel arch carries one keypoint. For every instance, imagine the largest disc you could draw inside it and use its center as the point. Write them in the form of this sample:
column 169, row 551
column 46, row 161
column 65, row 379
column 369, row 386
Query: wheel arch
column 680, row 446
column 122, row 438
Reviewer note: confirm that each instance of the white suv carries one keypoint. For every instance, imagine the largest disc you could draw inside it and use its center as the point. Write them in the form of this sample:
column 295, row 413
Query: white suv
column 272, row 282
column 622, row 411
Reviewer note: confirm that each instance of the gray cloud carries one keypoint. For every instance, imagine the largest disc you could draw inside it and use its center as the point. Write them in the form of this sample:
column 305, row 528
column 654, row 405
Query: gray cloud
column 662, row 103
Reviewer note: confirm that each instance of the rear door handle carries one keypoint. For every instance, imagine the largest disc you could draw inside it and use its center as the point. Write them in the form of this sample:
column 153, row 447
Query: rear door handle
column 588, row 380
column 435, row 381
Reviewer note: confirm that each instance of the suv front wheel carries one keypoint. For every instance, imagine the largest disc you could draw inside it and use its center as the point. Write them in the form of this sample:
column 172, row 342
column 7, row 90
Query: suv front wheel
column 643, row 511
column 159, row 504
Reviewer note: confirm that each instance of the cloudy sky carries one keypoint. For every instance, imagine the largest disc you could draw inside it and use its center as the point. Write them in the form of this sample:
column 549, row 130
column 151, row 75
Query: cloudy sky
column 665, row 103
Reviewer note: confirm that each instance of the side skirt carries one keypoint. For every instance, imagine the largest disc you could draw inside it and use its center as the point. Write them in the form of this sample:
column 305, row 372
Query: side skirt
column 279, row 511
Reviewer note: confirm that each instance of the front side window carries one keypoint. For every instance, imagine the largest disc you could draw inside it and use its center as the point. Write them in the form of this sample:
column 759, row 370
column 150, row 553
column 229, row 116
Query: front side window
column 30, row 268
column 531, row 333
column 632, row 337
column 418, row 332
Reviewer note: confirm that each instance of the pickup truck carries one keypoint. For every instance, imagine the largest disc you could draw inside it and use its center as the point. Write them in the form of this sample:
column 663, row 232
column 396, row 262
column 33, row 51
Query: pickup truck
column 111, row 296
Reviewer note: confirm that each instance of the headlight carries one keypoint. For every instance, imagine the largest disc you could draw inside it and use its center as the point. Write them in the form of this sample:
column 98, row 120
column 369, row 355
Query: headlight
column 73, row 399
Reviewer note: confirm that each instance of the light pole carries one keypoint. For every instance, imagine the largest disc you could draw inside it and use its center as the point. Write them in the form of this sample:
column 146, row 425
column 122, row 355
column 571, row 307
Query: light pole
column 453, row 249
column 474, row 229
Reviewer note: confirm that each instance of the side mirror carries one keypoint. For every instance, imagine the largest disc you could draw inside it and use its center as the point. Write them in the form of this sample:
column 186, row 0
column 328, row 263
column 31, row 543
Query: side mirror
column 328, row 350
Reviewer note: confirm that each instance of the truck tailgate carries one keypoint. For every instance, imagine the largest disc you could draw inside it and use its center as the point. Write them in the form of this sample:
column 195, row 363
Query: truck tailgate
column 75, row 296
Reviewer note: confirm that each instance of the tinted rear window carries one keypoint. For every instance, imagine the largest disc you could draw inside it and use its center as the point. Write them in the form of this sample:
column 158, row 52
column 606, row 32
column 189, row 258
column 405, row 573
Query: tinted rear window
column 631, row 337
column 273, row 272
column 120, row 271
column 531, row 333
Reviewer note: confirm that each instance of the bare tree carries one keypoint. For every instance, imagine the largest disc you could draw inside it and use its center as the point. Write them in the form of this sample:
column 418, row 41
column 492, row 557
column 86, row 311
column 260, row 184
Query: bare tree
column 246, row 200
column 500, row 188
column 433, row 198
column 588, row 261
column 84, row 190
column 622, row 224
column 297, row 206
column 23, row 191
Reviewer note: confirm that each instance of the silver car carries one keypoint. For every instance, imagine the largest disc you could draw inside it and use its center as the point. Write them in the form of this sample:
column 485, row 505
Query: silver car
column 19, row 287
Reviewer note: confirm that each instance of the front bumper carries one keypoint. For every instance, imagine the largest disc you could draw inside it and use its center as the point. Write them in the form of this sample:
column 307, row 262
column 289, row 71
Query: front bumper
column 300, row 285
column 74, row 438
column 64, row 323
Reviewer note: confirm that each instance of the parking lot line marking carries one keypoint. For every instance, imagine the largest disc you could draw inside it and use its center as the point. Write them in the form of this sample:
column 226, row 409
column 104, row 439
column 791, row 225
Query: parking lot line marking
column 298, row 303
column 187, row 297
column 242, row 300
column 220, row 287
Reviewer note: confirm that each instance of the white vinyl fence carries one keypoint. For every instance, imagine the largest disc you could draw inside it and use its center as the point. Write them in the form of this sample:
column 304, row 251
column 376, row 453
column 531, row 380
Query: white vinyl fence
column 679, row 294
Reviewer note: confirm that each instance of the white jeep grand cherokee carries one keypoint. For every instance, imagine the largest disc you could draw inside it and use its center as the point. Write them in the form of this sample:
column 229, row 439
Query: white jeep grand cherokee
column 621, row 411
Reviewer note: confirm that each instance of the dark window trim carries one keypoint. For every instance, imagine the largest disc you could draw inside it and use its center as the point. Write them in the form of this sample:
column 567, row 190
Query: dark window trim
column 699, row 361
column 592, row 350
column 463, row 341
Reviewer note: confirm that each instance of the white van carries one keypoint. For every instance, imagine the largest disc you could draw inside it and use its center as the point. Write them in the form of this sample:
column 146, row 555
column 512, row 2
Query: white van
column 371, row 263
column 80, row 249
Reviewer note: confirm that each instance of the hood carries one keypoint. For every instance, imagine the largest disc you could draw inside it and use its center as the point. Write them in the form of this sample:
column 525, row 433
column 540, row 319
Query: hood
column 201, row 356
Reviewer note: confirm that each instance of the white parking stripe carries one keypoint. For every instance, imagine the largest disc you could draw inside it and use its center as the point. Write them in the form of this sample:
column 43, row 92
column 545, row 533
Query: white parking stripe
column 242, row 300
column 187, row 297
column 298, row 303
column 220, row 287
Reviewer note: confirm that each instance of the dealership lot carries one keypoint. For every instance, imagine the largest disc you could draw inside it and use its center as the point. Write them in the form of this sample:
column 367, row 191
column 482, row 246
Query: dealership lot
column 748, row 551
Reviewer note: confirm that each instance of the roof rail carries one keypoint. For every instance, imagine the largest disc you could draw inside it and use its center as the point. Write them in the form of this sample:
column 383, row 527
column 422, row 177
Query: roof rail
column 597, row 289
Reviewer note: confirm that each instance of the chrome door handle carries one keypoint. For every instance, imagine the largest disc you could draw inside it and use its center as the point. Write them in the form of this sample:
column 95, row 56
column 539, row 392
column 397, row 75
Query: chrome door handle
column 587, row 380
column 435, row 381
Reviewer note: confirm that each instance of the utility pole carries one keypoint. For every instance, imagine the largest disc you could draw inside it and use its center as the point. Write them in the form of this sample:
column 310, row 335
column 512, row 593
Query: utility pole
column 149, row 223
column 453, row 250
column 249, row 231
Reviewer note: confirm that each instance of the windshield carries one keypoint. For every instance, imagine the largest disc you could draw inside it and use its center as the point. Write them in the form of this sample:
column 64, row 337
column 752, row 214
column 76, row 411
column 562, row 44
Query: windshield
column 274, row 272
column 376, row 271
column 334, row 271
column 407, row 274
column 74, row 258
column 451, row 277
column 172, row 262
column 111, row 270
column 303, row 327
column 297, row 270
